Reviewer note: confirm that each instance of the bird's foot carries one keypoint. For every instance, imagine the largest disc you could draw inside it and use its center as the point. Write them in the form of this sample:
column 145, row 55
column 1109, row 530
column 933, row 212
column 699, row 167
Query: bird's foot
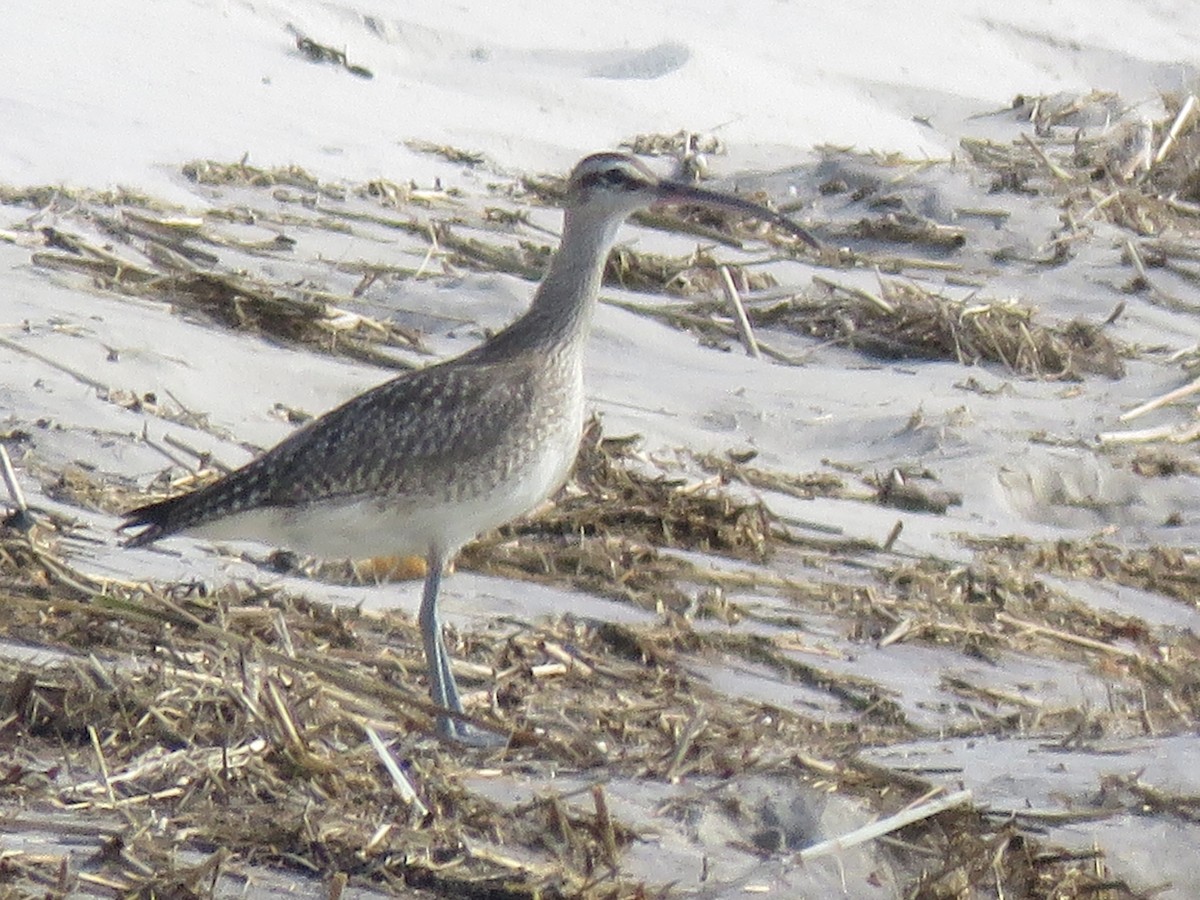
column 468, row 735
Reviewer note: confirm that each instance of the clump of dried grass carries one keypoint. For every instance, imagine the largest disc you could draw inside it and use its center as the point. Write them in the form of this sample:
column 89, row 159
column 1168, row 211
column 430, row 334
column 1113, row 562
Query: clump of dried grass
column 908, row 321
column 1104, row 163
column 322, row 53
column 696, row 273
column 677, row 145
column 165, row 273
column 447, row 152
column 1161, row 462
column 613, row 496
column 243, row 174
column 1170, row 571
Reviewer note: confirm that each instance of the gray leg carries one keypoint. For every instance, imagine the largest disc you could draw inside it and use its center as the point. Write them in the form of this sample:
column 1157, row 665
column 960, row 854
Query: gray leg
column 442, row 687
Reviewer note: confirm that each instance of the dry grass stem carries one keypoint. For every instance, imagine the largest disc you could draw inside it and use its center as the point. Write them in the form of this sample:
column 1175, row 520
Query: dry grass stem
column 884, row 826
column 1162, row 400
column 745, row 332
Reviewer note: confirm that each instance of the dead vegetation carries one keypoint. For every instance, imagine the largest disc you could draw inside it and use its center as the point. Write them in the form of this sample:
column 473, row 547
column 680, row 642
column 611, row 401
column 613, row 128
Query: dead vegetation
column 124, row 244
column 676, row 146
column 903, row 319
column 321, row 53
column 1165, row 463
column 1169, row 571
column 162, row 262
column 250, row 725
column 1130, row 175
column 908, row 321
column 257, row 727
column 239, row 719
column 1137, row 175
column 1088, row 155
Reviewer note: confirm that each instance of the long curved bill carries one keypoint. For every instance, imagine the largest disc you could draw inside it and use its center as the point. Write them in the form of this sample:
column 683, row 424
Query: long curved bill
column 681, row 192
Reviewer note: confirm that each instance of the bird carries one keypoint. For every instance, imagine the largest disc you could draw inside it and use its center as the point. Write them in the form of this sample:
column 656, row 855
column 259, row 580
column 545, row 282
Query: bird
column 429, row 460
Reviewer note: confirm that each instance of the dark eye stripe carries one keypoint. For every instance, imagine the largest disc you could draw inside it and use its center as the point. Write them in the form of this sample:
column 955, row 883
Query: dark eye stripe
column 609, row 178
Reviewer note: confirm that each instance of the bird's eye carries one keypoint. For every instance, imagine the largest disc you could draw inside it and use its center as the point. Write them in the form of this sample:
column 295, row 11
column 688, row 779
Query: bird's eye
column 618, row 178
column 606, row 177
column 613, row 178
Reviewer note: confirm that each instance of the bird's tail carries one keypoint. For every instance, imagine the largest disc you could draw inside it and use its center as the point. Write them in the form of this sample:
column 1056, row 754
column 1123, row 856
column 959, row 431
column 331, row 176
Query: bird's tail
column 160, row 518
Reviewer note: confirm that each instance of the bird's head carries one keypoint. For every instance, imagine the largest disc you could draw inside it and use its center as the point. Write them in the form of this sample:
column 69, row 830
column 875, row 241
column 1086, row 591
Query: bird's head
column 611, row 186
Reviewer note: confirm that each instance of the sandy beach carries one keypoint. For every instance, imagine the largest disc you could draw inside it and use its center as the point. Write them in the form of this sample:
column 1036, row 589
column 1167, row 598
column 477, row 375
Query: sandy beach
column 922, row 558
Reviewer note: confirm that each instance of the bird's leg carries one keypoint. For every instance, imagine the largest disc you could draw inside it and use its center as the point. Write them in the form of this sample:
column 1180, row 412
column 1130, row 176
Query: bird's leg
column 442, row 687
column 441, row 680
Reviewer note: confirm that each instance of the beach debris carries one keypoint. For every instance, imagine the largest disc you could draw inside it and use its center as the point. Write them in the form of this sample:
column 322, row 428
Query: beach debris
column 321, row 53
column 470, row 158
column 905, row 320
column 904, row 492
column 248, row 722
column 1177, row 434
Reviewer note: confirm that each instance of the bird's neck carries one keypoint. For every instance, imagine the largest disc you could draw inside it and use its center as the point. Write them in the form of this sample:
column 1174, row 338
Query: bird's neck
column 562, row 306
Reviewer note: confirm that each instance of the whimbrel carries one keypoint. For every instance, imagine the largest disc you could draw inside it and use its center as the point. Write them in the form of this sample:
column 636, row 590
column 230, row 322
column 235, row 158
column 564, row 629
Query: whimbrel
column 427, row 461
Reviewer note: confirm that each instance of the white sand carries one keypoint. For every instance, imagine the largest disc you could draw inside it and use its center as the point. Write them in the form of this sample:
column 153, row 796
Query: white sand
column 124, row 93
